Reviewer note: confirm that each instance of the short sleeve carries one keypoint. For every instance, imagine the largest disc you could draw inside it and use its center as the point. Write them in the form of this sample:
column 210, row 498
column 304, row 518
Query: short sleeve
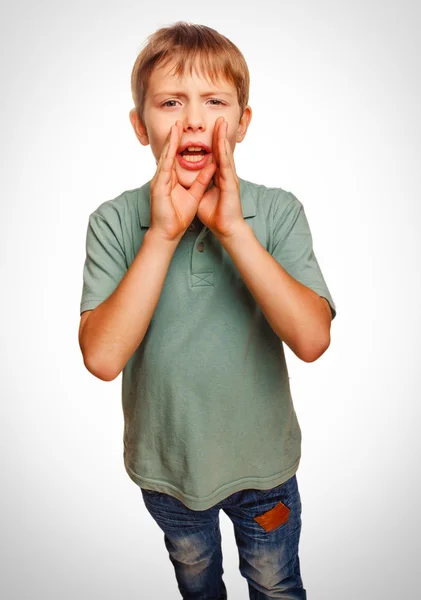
column 105, row 263
column 292, row 247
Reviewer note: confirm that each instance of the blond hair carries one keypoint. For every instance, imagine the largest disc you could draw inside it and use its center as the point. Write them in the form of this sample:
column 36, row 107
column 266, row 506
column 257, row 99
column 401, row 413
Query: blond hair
column 183, row 43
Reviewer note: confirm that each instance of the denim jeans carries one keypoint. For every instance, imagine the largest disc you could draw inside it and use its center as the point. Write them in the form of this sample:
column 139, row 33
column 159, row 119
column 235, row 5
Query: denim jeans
column 267, row 526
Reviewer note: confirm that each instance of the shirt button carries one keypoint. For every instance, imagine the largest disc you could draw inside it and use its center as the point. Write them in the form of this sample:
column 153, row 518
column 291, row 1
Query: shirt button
column 191, row 227
column 201, row 246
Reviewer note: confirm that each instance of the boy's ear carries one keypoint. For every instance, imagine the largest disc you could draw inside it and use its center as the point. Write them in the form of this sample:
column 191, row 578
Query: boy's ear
column 244, row 123
column 139, row 127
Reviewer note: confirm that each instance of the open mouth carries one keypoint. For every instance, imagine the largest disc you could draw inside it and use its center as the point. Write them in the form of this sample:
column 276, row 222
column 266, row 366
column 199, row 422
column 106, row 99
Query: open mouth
column 194, row 156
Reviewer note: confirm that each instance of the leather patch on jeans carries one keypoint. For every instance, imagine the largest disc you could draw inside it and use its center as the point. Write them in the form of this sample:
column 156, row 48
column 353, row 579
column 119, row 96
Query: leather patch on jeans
column 274, row 517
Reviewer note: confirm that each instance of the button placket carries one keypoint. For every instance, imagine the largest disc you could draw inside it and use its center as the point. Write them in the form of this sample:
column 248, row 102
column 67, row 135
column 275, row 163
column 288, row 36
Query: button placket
column 202, row 265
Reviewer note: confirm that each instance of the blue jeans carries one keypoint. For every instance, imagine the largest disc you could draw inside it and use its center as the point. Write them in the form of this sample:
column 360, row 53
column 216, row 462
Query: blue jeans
column 267, row 526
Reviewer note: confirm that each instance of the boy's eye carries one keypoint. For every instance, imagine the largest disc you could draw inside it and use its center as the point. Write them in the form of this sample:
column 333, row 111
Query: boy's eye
column 173, row 103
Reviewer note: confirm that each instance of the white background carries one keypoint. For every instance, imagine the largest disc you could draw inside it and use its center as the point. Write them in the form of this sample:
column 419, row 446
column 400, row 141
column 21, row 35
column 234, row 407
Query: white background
column 336, row 99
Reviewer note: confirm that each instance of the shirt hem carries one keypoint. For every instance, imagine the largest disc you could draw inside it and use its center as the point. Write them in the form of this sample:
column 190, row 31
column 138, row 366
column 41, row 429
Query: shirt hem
column 195, row 503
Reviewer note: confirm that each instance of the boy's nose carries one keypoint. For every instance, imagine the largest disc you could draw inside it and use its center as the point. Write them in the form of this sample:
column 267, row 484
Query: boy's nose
column 193, row 121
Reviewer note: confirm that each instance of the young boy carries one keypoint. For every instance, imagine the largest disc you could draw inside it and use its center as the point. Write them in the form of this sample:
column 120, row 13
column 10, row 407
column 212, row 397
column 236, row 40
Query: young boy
column 192, row 283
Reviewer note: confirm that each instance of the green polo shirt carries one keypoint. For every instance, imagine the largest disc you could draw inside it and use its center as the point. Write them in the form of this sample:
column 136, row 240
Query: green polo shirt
column 206, row 396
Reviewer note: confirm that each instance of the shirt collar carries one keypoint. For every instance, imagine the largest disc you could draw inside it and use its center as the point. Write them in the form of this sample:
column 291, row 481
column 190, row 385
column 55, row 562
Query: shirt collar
column 248, row 203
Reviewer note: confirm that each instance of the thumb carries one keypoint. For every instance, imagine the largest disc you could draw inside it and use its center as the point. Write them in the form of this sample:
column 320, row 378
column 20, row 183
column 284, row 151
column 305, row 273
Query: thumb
column 199, row 185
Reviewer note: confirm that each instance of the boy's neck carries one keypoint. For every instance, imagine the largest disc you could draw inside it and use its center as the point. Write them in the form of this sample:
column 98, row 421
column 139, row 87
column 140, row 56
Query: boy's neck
column 198, row 223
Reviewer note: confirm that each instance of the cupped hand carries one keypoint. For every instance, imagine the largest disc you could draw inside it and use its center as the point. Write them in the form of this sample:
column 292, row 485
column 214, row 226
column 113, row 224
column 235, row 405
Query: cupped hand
column 173, row 207
column 220, row 207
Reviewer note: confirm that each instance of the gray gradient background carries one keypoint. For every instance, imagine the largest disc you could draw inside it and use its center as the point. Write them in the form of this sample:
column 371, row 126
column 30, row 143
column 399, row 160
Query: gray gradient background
column 336, row 99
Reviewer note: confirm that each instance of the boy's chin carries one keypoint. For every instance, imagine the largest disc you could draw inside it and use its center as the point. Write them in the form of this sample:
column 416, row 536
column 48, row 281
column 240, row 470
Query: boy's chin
column 185, row 177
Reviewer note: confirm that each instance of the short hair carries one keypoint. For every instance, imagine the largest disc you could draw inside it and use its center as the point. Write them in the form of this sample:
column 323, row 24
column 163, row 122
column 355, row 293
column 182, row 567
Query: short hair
column 183, row 43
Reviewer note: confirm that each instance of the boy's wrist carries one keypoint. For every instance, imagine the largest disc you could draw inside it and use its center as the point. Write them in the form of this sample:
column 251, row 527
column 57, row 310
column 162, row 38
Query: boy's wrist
column 158, row 237
column 239, row 231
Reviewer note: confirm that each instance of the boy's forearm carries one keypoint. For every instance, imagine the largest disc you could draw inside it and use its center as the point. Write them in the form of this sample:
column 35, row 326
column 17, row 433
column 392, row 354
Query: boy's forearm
column 116, row 327
column 299, row 316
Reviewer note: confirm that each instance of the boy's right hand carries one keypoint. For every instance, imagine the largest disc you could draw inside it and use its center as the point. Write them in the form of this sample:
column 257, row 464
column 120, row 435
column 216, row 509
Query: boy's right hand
column 172, row 206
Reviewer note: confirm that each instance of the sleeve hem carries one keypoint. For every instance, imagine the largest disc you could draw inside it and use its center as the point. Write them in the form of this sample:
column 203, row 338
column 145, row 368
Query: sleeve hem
column 90, row 304
column 324, row 294
column 332, row 306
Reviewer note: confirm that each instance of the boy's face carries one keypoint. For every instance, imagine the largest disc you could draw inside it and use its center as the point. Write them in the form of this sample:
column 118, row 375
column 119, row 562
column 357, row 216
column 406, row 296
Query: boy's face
column 197, row 102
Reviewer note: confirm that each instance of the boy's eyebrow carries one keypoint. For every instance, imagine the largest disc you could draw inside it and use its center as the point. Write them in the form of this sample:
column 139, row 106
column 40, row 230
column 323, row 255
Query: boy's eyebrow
column 180, row 93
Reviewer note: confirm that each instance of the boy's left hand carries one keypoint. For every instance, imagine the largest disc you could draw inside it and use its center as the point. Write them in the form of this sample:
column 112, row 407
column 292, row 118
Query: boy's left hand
column 220, row 207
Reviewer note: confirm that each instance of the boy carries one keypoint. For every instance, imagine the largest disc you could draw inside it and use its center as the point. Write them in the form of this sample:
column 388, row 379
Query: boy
column 192, row 282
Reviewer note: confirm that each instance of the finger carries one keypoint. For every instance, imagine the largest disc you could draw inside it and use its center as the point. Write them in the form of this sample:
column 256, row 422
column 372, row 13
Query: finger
column 165, row 147
column 199, row 185
column 175, row 142
column 224, row 160
column 163, row 173
column 167, row 166
column 230, row 158
column 215, row 137
column 215, row 149
column 219, row 134
column 229, row 151
column 164, row 151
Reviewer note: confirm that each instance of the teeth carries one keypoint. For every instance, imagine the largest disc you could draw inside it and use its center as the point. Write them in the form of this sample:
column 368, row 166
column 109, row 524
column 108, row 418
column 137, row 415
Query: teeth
column 193, row 158
column 195, row 148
